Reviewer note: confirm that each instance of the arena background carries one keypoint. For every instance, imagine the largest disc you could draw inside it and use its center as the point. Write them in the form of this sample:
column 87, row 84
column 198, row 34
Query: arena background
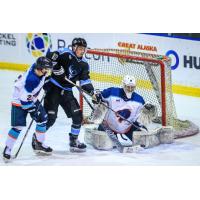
column 19, row 50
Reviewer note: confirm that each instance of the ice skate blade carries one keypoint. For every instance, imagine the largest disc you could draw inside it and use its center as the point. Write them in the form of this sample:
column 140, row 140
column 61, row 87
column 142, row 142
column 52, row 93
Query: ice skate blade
column 75, row 150
column 42, row 153
column 7, row 160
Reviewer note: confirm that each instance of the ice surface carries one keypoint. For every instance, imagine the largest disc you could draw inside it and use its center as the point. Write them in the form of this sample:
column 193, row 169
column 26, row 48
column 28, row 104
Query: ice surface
column 184, row 151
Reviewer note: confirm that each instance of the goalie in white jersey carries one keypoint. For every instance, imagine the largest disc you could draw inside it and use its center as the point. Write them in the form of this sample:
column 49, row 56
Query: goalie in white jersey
column 128, row 104
column 25, row 100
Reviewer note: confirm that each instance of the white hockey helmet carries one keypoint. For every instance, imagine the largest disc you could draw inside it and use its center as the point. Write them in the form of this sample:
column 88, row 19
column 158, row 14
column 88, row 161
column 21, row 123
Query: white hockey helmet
column 129, row 83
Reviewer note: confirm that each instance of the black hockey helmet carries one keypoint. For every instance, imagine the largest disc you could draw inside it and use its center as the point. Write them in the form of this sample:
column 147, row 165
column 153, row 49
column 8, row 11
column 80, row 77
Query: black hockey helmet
column 44, row 62
column 79, row 42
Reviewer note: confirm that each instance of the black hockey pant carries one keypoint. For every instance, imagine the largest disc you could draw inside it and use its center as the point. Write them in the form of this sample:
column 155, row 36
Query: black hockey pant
column 55, row 97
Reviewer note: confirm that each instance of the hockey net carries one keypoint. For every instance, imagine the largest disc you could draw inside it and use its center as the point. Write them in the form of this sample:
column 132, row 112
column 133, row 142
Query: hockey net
column 153, row 79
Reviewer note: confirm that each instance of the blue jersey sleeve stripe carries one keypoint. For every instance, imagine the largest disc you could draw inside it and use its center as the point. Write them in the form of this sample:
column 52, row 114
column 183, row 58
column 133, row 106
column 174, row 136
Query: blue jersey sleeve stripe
column 27, row 106
column 85, row 82
column 60, row 86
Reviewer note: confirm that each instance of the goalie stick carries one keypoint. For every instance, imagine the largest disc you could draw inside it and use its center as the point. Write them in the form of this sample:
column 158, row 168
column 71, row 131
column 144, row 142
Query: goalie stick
column 120, row 147
column 83, row 91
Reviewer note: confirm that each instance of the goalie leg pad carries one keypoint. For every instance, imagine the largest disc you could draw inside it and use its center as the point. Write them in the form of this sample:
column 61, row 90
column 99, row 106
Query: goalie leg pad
column 98, row 139
column 164, row 135
column 102, row 140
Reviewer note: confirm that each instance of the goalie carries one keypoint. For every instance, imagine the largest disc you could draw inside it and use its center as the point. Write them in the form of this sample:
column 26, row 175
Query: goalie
column 128, row 111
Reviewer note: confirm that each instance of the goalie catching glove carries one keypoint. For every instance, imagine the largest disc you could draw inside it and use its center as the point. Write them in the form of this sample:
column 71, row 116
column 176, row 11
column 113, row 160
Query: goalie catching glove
column 147, row 114
column 150, row 107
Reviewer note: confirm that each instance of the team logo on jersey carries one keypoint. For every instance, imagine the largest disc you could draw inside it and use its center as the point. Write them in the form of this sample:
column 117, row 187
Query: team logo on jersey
column 125, row 113
column 38, row 44
column 72, row 72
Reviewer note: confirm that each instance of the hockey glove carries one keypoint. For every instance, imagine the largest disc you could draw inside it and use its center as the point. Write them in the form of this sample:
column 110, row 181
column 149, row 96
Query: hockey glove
column 53, row 56
column 34, row 113
column 97, row 97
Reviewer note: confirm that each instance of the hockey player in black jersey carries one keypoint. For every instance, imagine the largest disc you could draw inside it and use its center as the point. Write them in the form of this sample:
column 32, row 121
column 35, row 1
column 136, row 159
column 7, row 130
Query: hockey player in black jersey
column 69, row 64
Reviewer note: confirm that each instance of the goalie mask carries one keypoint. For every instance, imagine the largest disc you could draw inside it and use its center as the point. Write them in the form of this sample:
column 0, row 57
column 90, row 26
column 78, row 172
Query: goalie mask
column 129, row 84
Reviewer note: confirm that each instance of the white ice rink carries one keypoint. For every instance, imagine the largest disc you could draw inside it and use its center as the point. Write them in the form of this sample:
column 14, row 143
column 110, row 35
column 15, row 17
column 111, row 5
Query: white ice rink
column 184, row 151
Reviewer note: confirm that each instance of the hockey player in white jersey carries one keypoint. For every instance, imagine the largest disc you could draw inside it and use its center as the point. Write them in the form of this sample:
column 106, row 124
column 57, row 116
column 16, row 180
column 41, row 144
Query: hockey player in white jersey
column 25, row 100
column 128, row 106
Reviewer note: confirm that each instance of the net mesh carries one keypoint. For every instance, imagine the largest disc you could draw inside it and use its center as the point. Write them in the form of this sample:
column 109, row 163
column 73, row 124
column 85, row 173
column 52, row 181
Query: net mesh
column 109, row 66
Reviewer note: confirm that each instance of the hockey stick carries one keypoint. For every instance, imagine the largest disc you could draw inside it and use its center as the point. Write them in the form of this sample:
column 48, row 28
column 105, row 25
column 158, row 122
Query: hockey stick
column 121, row 148
column 83, row 91
column 88, row 102
column 29, row 128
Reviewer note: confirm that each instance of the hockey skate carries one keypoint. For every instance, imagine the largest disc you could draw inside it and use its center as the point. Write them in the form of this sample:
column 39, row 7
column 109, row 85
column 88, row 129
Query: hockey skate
column 75, row 145
column 39, row 148
column 6, row 155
